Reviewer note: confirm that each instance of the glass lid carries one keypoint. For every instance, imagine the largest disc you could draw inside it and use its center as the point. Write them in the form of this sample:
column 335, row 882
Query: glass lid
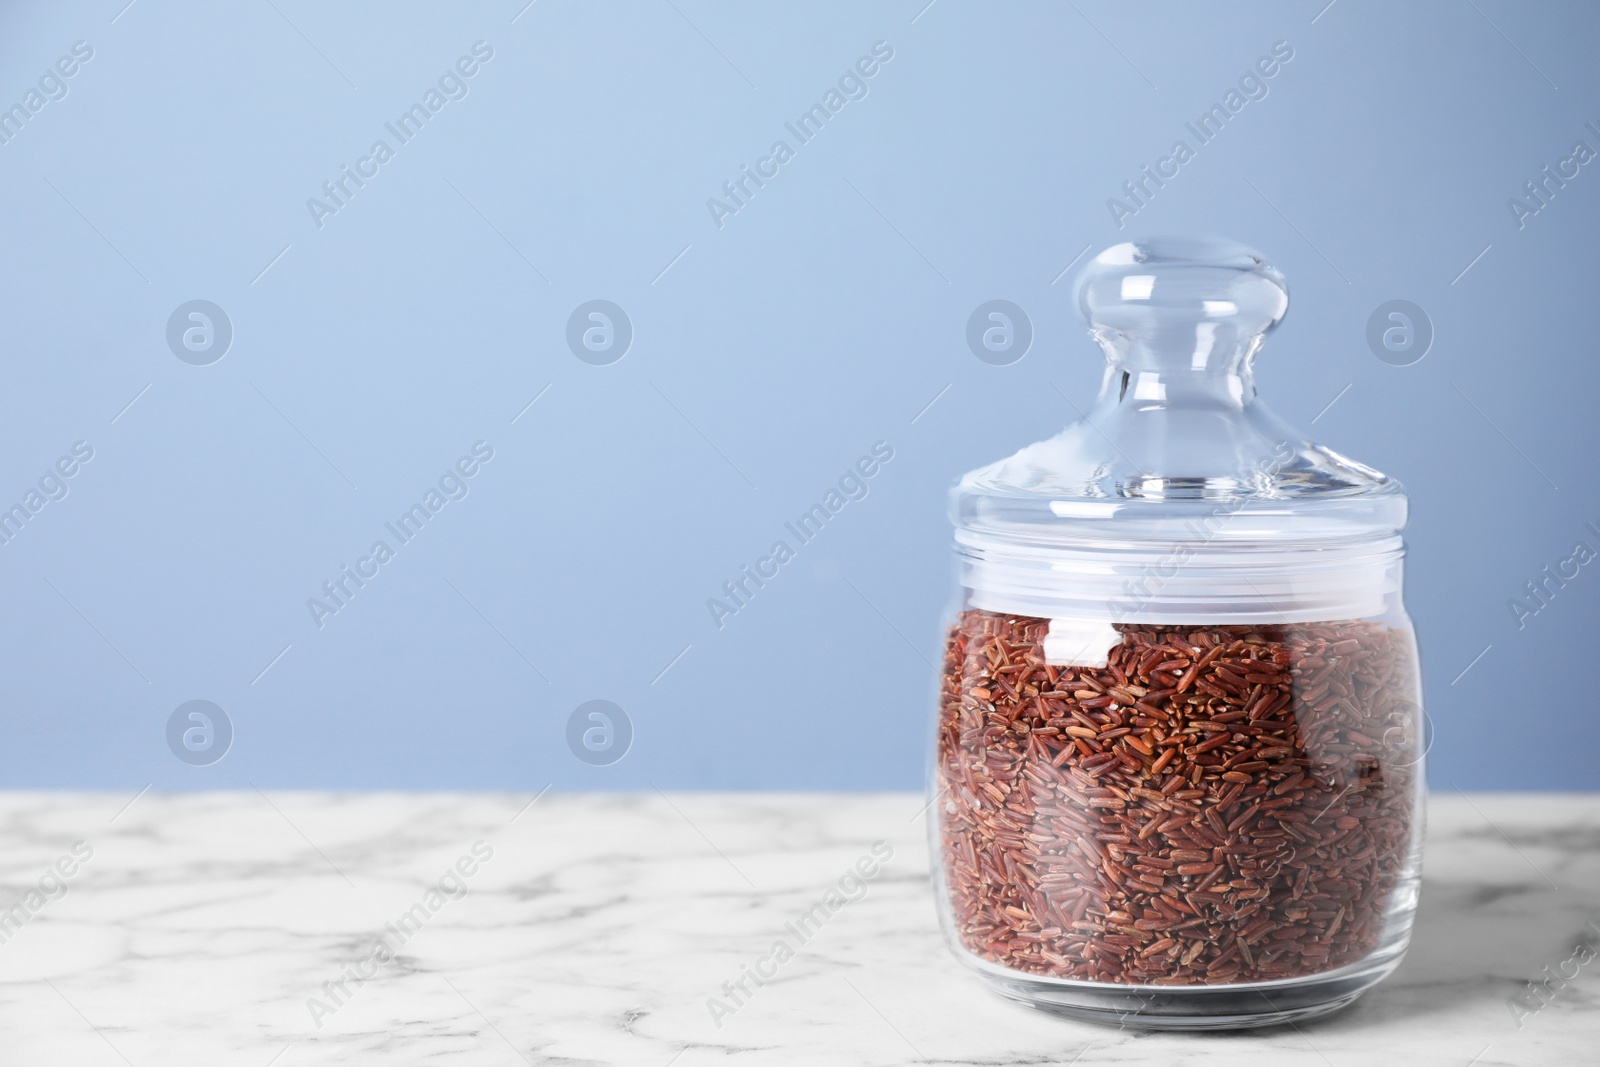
column 1178, row 432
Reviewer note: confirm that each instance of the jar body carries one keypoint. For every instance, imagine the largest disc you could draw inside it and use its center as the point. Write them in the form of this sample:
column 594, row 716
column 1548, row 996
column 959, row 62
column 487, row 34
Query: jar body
column 1208, row 825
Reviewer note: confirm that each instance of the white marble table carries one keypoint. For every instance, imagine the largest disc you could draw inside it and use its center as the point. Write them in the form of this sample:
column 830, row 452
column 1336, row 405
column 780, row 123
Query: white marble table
column 202, row 926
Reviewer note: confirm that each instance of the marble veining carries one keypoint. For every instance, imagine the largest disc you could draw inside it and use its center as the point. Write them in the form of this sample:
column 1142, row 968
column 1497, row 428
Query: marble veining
column 244, row 928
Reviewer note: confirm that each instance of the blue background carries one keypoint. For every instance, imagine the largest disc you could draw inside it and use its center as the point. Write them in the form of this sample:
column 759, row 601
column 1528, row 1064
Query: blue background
column 768, row 354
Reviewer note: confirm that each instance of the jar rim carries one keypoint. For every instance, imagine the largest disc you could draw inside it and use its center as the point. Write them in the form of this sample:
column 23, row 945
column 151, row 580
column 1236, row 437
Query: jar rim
column 1179, row 581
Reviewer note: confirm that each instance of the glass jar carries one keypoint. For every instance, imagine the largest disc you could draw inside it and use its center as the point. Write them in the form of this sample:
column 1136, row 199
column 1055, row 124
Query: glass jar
column 1178, row 763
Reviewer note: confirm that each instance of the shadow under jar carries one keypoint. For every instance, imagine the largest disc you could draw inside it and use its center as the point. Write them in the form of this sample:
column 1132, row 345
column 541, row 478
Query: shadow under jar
column 1178, row 761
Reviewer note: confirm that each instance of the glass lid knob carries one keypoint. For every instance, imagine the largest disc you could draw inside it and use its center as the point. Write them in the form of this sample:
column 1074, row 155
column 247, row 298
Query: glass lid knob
column 1181, row 303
